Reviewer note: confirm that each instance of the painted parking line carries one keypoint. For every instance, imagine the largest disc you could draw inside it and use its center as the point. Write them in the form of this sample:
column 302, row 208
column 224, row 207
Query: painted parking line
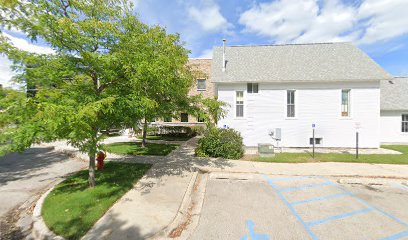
column 397, row 236
column 305, row 187
column 320, row 198
column 308, row 225
column 252, row 234
column 367, row 204
column 338, row 217
column 308, row 230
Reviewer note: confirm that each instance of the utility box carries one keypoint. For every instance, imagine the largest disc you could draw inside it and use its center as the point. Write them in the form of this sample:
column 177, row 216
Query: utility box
column 266, row 150
column 278, row 134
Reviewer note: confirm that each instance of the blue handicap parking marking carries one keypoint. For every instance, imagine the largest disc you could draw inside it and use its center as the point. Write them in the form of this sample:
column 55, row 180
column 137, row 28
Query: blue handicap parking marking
column 397, row 236
column 252, row 235
column 344, row 193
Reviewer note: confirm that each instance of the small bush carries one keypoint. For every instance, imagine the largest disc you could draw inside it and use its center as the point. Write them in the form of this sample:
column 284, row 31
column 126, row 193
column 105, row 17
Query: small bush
column 225, row 143
column 198, row 130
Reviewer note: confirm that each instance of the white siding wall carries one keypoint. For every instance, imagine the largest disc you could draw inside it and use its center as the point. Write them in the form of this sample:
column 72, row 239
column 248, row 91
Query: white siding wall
column 317, row 103
column 391, row 127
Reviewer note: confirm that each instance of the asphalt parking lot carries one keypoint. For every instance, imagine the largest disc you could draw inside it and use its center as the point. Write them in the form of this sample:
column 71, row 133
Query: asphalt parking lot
column 255, row 206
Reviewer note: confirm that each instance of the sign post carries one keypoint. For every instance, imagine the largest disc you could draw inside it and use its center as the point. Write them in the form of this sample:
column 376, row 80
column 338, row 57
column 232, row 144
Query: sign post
column 313, row 138
column 358, row 126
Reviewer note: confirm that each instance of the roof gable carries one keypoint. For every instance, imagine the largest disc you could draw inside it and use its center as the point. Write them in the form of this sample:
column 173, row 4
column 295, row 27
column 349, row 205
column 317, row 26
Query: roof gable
column 394, row 94
column 295, row 62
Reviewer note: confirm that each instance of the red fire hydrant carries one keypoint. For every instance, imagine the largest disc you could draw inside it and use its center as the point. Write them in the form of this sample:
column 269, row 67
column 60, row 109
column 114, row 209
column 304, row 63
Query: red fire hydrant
column 100, row 157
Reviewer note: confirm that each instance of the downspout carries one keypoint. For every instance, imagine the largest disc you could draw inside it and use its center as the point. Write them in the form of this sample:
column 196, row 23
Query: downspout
column 223, row 54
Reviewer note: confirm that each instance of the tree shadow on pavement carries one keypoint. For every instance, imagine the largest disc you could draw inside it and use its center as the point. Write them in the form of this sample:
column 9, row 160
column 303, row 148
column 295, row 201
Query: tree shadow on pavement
column 24, row 165
column 112, row 227
column 181, row 162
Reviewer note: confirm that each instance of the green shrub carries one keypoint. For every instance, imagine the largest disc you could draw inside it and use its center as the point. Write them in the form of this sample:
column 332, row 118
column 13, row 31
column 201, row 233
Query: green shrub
column 224, row 143
column 198, row 130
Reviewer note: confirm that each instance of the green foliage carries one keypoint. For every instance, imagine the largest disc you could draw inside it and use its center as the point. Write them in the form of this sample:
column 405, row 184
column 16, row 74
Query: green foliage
column 72, row 208
column 134, row 148
column 108, row 70
column 209, row 109
column 198, row 130
column 224, row 143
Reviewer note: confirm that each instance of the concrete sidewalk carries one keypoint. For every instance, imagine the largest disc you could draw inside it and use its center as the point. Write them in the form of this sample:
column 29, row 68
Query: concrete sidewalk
column 311, row 169
column 154, row 202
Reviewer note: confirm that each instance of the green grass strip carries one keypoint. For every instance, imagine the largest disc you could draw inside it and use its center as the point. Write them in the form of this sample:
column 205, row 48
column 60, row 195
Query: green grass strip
column 72, row 208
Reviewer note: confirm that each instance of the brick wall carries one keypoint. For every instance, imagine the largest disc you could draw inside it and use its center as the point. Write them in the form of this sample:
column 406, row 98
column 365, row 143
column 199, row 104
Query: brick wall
column 202, row 70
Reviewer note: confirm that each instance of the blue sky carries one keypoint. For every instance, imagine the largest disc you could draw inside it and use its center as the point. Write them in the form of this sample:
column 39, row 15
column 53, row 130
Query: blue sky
column 378, row 27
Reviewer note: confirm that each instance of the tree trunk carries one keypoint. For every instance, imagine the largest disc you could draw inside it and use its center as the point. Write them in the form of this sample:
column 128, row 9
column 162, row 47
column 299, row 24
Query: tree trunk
column 91, row 178
column 144, row 134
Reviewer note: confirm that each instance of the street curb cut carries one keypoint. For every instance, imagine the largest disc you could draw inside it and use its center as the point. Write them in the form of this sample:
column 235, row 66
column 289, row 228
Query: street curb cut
column 40, row 230
column 162, row 234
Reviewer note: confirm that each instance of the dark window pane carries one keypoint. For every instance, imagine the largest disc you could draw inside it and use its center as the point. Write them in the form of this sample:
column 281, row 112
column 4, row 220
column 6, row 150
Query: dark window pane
column 201, row 85
column 404, row 127
column 184, row 117
column 240, row 111
column 249, row 87
column 255, row 87
column 290, row 111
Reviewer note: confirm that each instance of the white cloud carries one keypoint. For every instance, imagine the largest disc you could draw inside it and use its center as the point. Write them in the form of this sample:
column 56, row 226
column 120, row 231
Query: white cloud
column 385, row 19
column 209, row 17
column 27, row 46
column 208, row 53
column 327, row 20
column 5, row 71
column 280, row 20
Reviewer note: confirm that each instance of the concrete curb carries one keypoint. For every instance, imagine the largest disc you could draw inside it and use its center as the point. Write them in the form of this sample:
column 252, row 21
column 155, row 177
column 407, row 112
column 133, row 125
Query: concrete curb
column 40, row 230
column 187, row 217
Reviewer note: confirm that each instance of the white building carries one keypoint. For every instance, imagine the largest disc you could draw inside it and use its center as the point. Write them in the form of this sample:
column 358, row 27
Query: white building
column 290, row 88
column 394, row 111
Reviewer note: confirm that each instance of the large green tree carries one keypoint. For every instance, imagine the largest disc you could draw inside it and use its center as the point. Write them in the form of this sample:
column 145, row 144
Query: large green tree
column 159, row 74
column 96, row 78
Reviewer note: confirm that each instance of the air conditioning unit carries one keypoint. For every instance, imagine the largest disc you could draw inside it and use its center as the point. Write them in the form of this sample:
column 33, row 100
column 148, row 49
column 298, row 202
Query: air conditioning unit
column 266, row 150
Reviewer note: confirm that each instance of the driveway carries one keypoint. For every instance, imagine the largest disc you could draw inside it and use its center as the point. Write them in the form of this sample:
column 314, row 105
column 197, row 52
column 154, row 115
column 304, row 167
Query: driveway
column 258, row 206
column 23, row 177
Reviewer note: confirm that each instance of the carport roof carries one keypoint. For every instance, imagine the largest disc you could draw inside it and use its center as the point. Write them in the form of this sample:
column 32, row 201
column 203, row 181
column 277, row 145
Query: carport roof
column 295, row 63
column 394, row 94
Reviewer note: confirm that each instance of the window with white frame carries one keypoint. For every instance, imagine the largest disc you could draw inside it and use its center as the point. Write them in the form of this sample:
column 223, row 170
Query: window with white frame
column 239, row 103
column 252, row 87
column 201, row 85
column 345, row 102
column 404, row 125
column 290, row 101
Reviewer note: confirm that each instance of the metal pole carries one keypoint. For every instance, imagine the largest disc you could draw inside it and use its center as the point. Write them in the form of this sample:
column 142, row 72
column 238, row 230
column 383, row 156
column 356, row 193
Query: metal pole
column 357, row 144
column 313, row 143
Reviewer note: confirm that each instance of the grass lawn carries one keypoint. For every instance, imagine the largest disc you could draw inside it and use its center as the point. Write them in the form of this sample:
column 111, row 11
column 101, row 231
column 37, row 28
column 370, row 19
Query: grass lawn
column 166, row 138
column 340, row 157
column 134, row 148
column 72, row 208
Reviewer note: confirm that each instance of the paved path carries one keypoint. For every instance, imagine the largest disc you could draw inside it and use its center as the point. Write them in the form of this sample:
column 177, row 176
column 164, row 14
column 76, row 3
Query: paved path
column 154, row 201
column 23, row 177
column 147, row 209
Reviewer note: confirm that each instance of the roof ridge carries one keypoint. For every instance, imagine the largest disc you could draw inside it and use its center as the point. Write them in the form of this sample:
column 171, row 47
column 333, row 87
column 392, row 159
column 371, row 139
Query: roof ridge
column 286, row 44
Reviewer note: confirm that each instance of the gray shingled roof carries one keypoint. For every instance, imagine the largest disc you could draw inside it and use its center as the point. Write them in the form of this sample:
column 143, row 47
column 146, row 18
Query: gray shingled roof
column 394, row 94
column 295, row 62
